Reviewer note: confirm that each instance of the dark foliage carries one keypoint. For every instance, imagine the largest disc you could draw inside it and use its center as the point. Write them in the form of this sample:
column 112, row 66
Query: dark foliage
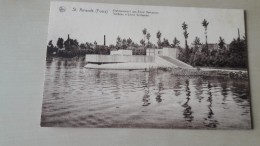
column 139, row 51
column 60, row 43
column 234, row 57
column 51, row 49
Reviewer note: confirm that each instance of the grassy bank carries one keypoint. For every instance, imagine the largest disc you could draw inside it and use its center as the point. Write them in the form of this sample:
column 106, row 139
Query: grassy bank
column 195, row 72
column 234, row 74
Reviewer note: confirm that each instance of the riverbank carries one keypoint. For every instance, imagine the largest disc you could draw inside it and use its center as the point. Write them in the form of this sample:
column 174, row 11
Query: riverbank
column 234, row 74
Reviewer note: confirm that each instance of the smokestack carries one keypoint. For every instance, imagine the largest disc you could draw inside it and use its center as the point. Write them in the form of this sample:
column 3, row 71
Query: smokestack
column 68, row 36
column 238, row 33
column 104, row 40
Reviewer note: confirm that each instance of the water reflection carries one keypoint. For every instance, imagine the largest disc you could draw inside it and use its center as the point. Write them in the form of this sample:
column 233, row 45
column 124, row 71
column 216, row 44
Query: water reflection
column 159, row 94
column 73, row 93
column 188, row 110
column 240, row 96
column 146, row 97
column 199, row 89
column 210, row 121
column 176, row 86
column 224, row 91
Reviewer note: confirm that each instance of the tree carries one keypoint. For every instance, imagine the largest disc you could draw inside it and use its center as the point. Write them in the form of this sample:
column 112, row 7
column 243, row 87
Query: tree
column 176, row 42
column 221, row 43
column 71, row 44
column 158, row 35
column 185, row 33
column 60, row 43
column 111, row 47
column 205, row 24
column 124, row 44
column 129, row 42
column 135, row 45
column 95, row 43
column 144, row 33
column 148, row 38
column 185, row 52
column 196, row 42
column 82, row 46
column 50, row 48
column 75, row 43
column 165, row 43
column 142, row 42
column 194, row 52
column 238, row 55
column 50, row 44
column 118, row 43
column 88, row 45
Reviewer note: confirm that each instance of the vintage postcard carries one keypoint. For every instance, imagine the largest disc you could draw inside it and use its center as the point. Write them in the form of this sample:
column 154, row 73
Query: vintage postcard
column 137, row 66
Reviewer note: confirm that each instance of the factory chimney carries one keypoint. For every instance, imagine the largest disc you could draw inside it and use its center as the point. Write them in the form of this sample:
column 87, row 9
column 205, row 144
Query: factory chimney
column 238, row 33
column 104, row 40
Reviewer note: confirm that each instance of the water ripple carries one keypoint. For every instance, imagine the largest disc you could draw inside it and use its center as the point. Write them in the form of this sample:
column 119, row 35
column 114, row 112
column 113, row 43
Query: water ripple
column 79, row 97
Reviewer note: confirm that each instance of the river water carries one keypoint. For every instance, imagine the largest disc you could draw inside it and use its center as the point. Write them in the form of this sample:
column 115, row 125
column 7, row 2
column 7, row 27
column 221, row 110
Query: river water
column 78, row 97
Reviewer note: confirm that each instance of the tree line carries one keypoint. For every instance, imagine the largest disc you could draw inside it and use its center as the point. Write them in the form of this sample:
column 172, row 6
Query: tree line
column 232, row 55
column 201, row 54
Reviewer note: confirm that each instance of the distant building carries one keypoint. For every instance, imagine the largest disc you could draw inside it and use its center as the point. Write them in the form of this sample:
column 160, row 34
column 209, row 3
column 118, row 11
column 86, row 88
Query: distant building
column 171, row 52
column 139, row 51
column 211, row 46
column 154, row 52
column 121, row 52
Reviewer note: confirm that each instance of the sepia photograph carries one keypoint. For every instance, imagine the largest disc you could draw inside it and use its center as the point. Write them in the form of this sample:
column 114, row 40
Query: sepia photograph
column 139, row 66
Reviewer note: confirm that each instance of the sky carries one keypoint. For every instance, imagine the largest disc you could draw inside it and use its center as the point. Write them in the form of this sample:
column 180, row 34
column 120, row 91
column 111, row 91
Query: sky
column 86, row 22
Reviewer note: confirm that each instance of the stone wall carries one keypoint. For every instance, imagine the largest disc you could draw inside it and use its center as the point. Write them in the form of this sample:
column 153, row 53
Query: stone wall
column 118, row 58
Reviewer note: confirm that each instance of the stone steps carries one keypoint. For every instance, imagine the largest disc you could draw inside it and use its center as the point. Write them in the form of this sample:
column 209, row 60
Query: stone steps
column 176, row 62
